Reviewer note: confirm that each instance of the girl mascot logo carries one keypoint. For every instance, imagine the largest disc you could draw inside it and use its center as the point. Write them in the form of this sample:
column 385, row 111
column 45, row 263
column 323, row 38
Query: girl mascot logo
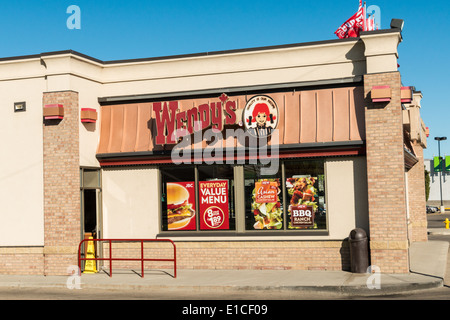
column 260, row 116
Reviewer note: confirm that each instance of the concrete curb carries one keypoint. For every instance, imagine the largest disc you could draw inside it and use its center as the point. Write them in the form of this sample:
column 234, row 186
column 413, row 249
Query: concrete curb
column 438, row 231
column 353, row 285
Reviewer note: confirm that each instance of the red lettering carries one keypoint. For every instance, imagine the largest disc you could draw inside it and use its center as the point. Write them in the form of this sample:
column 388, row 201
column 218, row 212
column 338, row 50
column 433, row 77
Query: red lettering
column 165, row 121
column 195, row 119
column 230, row 107
column 192, row 119
column 216, row 116
column 204, row 112
column 181, row 128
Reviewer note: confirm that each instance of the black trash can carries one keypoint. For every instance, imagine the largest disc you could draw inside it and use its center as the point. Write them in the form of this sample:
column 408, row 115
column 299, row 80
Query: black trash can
column 359, row 251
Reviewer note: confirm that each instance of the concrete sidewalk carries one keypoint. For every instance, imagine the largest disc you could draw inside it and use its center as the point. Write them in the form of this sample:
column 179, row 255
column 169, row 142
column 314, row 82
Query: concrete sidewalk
column 428, row 265
column 438, row 231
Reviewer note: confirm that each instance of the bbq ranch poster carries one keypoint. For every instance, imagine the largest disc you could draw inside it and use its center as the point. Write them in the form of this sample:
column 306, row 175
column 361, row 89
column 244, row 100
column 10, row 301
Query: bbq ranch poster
column 303, row 204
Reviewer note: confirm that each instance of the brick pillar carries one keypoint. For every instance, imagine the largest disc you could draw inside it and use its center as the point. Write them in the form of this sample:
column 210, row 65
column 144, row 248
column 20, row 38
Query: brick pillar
column 386, row 177
column 416, row 197
column 61, row 185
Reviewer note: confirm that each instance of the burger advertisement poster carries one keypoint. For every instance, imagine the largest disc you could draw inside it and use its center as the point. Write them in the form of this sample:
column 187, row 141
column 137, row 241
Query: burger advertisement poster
column 181, row 205
column 303, row 204
column 213, row 205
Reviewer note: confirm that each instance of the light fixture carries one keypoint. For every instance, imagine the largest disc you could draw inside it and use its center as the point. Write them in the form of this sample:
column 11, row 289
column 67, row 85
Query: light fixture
column 397, row 24
column 88, row 115
column 20, row 106
column 406, row 94
column 381, row 94
column 53, row 112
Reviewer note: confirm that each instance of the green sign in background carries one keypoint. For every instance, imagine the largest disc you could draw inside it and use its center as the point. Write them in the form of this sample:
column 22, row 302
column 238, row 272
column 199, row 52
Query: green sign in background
column 437, row 165
column 444, row 163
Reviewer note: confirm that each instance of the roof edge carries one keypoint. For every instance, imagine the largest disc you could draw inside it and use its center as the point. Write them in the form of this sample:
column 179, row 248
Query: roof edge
column 201, row 54
column 190, row 55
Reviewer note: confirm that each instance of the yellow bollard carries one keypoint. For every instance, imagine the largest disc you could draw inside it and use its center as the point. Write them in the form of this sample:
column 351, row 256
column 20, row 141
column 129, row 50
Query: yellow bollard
column 447, row 223
column 90, row 265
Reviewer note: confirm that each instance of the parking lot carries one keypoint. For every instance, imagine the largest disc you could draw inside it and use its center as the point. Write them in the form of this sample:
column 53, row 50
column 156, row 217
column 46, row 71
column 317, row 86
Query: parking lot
column 436, row 220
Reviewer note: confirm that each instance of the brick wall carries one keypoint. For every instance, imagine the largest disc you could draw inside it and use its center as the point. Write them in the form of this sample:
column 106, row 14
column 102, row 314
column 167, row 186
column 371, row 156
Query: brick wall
column 296, row 255
column 22, row 260
column 386, row 177
column 61, row 185
column 416, row 197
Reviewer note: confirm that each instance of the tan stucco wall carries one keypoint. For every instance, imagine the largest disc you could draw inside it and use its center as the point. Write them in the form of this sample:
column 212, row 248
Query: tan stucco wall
column 346, row 186
column 130, row 203
column 21, row 184
column 89, row 132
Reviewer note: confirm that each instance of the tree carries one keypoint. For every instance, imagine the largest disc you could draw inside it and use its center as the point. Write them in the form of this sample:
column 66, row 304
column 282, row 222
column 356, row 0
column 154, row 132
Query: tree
column 427, row 184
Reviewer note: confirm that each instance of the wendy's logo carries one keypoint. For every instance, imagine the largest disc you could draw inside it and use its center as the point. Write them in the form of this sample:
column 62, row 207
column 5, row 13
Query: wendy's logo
column 260, row 116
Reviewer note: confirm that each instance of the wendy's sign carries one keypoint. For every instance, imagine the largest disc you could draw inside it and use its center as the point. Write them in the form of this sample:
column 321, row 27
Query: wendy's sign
column 260, row 117
column 173, row 124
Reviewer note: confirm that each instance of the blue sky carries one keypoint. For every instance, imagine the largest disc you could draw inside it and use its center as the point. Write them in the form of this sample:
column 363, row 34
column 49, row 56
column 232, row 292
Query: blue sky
column 120, row 29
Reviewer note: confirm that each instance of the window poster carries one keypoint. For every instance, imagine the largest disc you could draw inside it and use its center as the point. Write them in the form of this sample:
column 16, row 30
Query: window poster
column 303, row 204
column 266, row 204
column 213, row 205
column 181, row 205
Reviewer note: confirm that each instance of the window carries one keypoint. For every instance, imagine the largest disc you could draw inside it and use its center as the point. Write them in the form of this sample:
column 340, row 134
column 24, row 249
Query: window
column 216, row 197
column 198, row 198
column 263, row 200
column 241, row 199
column 178, row 198
column 305, row 194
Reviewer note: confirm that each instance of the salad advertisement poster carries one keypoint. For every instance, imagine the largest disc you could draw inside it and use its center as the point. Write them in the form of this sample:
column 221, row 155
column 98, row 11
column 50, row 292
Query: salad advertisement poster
column 213, row 205
column 303, row 204
column 266, row 204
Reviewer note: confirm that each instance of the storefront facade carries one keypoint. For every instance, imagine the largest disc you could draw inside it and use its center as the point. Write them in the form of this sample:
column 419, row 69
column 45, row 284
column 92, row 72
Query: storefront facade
column 260, row 158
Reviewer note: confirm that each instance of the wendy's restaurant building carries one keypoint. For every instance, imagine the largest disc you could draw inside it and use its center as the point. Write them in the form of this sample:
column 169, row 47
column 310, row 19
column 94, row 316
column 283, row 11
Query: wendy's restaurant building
column 262, row 158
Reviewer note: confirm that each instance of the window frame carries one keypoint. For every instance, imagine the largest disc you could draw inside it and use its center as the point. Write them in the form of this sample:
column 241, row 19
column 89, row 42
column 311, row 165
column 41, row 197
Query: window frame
column 239, row 208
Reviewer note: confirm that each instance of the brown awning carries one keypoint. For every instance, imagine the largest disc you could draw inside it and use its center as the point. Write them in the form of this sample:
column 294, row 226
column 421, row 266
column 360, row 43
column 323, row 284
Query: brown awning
column 305, row 117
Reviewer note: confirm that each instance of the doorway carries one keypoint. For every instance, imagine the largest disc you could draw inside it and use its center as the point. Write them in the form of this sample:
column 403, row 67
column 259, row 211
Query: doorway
column 91, row 213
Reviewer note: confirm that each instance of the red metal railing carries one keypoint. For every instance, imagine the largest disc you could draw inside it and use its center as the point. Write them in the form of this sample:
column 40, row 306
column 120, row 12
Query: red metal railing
column 142, row 259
